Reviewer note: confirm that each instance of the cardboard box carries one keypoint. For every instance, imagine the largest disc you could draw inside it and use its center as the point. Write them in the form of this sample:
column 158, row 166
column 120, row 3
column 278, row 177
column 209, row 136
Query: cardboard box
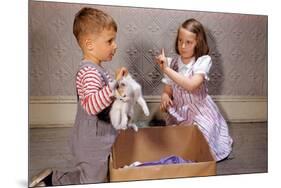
column 152, row 144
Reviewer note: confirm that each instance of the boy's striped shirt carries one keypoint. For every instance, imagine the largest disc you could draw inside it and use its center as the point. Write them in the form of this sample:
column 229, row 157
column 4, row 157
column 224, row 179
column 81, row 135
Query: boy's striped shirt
column 93, row 92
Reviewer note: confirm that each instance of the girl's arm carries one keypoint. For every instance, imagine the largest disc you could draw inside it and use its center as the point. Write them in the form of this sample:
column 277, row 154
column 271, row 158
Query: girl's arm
column 168, row 90
column 166, row 97
column 190, row 84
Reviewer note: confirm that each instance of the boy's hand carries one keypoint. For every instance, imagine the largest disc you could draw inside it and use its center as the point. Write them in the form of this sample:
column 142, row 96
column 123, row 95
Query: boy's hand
column 161, row 60
column 166, row 102
column 119, row 73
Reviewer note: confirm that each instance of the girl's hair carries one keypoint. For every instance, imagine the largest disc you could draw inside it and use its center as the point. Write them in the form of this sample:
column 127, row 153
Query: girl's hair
column 91, row 21
column 197, row 28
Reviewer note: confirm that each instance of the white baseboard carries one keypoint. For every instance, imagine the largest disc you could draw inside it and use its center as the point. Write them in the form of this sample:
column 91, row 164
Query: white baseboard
column 59, row 111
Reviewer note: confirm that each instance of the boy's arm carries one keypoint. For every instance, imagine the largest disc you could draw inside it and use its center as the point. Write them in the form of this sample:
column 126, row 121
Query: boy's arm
column 94, row 97
column 119, row 73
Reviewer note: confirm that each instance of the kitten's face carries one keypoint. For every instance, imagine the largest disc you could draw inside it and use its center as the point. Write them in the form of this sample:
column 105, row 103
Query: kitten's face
column 124, row 88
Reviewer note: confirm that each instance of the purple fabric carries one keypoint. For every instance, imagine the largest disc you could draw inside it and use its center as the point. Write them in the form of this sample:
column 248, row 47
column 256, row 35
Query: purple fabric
column 167, row 160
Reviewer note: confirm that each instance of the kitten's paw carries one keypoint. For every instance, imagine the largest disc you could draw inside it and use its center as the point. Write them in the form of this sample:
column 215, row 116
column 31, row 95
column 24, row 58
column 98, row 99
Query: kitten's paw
column 115, row 126
column 134, row 126
column 123, row 126
column 146, row 112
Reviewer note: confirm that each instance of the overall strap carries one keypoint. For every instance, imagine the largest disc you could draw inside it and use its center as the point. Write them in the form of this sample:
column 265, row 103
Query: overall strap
column 104, row 114
column 174, row 64
column 99, row 68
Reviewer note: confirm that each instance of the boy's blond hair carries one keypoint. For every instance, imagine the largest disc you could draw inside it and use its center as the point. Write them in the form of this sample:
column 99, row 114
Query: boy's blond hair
column 91, row 21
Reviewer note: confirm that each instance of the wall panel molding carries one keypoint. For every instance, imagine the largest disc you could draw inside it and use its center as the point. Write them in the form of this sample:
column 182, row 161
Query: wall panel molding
column 59, row 111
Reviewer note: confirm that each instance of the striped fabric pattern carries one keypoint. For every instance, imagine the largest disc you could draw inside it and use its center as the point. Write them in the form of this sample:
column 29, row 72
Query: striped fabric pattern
column 93, row 93
column 198, row 108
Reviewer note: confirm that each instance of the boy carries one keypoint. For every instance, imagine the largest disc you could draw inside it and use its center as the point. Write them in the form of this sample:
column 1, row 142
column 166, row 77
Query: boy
column 93, row 135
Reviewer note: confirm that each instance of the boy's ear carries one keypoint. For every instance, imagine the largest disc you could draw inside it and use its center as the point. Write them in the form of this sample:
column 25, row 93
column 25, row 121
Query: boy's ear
column 89, row 44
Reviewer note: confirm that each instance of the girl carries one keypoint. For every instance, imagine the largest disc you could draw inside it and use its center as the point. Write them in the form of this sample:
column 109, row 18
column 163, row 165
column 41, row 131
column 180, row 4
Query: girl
column 185, row 96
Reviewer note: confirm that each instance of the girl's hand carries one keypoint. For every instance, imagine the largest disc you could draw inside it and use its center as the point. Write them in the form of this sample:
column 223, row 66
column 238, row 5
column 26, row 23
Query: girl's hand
column 166, row 102
column 119, row 73
column 161, row 60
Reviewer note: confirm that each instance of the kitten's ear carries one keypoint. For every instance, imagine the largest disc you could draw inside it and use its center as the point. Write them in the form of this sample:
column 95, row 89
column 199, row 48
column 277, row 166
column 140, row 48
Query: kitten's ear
column 129, row 76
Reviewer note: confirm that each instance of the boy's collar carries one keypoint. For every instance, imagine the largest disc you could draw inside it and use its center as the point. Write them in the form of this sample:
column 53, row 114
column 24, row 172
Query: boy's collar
column 90, row 61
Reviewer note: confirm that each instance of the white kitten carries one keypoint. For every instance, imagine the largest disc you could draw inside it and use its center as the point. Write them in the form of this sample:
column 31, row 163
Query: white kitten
column 127, row 93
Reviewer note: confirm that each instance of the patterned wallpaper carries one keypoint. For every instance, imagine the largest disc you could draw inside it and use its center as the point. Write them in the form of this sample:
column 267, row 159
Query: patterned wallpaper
column 238, row 45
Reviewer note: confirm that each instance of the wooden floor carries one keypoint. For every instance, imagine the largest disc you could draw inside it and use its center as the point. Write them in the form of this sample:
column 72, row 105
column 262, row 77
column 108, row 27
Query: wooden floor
column 48, row 147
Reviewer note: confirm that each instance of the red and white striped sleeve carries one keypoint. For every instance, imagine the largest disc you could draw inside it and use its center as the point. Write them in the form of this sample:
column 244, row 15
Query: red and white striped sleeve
column 93, row 95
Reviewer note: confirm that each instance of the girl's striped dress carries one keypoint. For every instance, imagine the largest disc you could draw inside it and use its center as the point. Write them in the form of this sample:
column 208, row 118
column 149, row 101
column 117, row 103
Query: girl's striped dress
column 197, row 107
